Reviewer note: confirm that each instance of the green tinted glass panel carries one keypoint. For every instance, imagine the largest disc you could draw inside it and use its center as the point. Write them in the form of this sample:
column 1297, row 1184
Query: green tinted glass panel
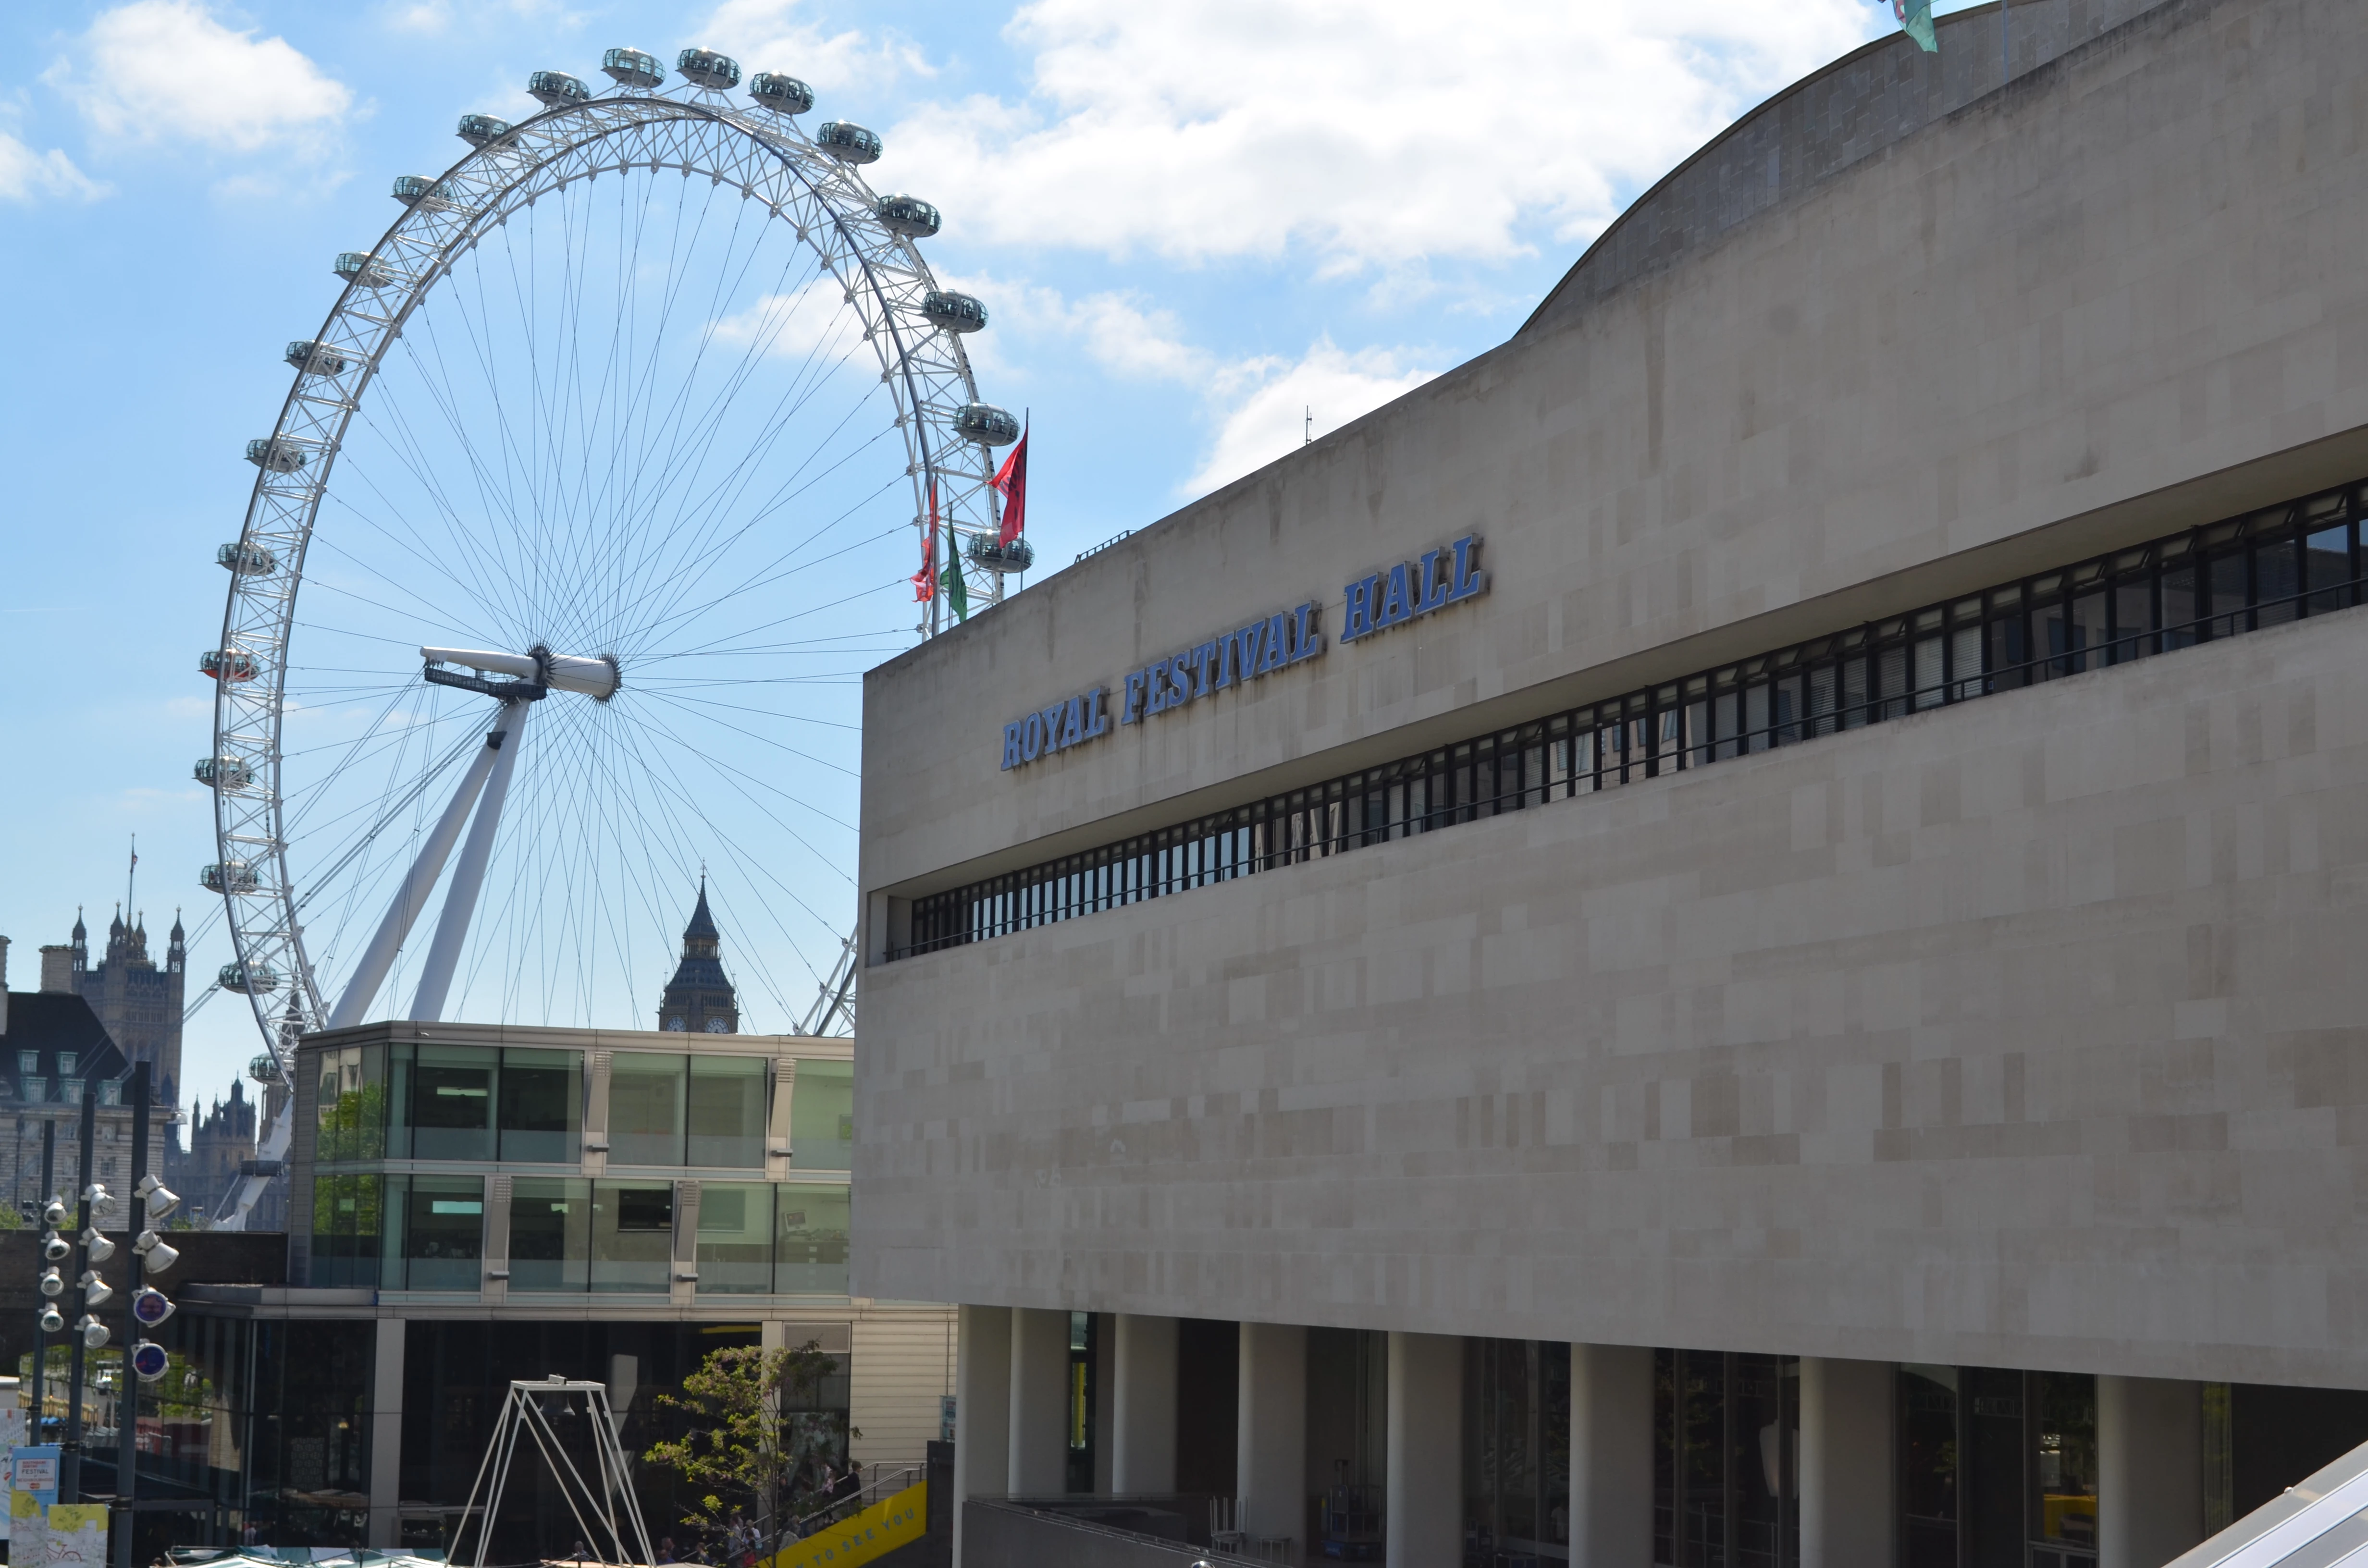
column 542, row 1110
column 727, row 1111
column 809, row 1238
column 550, row 1233
column 735, row 1238
column 822, row 1116
column 645, row 1109
column 351, row 1104
column 347, row 1212
column 632, row 1234
column 452, row 1103
column 443, row 1233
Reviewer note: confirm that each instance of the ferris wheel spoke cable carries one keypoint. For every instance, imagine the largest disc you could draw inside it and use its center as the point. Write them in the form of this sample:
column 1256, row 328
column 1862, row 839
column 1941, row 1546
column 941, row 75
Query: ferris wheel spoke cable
column 740, row 781
column 783, row 494
column 778, row 746
column 644, row 774
column 415, row 546
column 780, row 569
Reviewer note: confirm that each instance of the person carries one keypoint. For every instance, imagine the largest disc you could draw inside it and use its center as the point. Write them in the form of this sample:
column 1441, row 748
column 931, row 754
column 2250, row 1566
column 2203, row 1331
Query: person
column 666, row 1551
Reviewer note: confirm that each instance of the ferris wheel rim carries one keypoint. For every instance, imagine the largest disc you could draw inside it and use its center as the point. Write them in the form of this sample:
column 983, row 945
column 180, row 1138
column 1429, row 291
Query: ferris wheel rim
column 265, row 914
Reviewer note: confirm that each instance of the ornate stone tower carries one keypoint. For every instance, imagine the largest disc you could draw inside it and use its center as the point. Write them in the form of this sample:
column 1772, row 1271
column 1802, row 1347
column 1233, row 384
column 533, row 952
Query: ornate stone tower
column 139, row 1003
column 700, row 999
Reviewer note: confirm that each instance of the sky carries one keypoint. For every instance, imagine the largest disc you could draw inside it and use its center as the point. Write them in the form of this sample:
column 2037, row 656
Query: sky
column 1204, row 231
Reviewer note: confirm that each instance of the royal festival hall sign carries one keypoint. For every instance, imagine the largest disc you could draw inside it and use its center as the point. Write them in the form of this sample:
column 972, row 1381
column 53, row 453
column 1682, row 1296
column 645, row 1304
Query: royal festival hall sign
column 1373, row 603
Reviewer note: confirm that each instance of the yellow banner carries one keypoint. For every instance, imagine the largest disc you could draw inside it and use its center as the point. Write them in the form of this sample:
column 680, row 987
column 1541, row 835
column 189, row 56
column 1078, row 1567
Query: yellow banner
column 882, row 1527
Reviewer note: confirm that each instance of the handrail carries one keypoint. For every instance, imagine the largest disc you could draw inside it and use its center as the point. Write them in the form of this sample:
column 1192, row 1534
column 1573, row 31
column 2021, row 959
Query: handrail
column 885, row 1482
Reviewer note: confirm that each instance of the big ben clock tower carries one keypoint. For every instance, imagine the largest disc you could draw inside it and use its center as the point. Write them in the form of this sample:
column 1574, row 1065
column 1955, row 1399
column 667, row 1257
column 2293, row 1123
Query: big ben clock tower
column 700, row 999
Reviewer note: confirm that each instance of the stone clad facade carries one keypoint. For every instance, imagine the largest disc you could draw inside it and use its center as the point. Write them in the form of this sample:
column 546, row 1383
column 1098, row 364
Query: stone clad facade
column 2010, row 1038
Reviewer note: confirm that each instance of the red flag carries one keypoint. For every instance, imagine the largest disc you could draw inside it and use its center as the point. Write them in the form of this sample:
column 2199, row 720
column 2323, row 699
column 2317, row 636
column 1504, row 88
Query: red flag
column 1011, row 482
column 925, row 581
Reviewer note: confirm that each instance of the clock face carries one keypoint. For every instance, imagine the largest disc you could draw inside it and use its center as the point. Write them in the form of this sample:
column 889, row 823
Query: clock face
column 717, row 1026
column 676, row 1026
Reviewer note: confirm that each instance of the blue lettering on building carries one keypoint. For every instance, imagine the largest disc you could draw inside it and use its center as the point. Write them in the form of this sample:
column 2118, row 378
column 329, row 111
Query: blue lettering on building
column 1376, row 602
column 1383, row 600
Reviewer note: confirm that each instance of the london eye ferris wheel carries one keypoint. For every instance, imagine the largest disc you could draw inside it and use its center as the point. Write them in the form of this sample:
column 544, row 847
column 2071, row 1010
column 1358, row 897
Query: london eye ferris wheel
column 589, row 501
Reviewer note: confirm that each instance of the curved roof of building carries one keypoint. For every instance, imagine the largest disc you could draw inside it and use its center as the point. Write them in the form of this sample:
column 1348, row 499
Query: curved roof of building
column 1839, row 115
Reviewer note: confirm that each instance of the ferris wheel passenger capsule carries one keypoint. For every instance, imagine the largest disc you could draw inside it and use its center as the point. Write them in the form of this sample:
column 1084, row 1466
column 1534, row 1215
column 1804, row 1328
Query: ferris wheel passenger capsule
column 907, row 215
column 557, row 89
column 315, row 359
column 356, row 266
column 782, row 95
column 413, row 189
column 264, row 1069
column 228, row 876
column 847, row 142
column 481, row 129
column 705, row 68
column 986, row 425
column 223, row 772
column 226, row 663
column 955, row 313
column 248, row 982
column 279, row 457
column 991, row 554
column 247, row 560
column 633, row 68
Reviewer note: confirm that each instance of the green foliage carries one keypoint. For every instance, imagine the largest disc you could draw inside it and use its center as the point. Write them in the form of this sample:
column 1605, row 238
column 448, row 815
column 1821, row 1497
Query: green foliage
column 745, row 1437
column 10, row 1218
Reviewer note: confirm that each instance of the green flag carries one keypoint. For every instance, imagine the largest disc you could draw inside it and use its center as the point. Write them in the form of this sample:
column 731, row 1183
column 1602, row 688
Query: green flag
column 957, row 591
column 1915, row 21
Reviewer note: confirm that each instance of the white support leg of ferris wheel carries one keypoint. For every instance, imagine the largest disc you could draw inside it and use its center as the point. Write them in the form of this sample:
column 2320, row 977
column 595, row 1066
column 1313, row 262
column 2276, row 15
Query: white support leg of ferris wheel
column 419, row 882
column 469, row 876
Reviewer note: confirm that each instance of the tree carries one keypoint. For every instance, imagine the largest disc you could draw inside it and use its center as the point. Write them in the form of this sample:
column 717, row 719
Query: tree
column 747, row 1442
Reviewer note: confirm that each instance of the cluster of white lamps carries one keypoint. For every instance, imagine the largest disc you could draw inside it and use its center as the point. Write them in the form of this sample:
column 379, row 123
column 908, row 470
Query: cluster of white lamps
column 150, row 1306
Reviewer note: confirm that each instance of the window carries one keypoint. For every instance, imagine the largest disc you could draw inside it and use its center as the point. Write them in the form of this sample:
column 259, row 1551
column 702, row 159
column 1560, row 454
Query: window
column 110, row 1091
column 735, row 1238
column 550, row 1233
column 1726, row 1431
column 349, row 1110
column 452, row 1103
column 1997, row 1466
column 727, row 1111
column 632, row 1235
column 2302, row 558
column 810, row 1241
column 37, row 1089
column 66, row 1060
column 645, row 1109
column 347, row 1227
column 442, row 1236
column 29, row 1061
column 69, row 1090
column 541, row 1103
column 822, row 1116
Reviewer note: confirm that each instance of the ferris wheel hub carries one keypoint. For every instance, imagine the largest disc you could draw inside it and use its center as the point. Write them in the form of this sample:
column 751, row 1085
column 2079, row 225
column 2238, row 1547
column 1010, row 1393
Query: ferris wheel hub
column 596, row 677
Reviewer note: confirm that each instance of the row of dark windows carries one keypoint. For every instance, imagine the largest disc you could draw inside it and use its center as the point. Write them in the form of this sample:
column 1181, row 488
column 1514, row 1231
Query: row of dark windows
column 2262, row 568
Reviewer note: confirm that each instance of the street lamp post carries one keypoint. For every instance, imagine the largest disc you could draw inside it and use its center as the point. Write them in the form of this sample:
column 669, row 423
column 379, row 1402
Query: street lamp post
column 70, row 1460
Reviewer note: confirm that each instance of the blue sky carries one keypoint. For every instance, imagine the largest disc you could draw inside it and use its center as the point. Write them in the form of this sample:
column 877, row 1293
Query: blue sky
column 1194, row 225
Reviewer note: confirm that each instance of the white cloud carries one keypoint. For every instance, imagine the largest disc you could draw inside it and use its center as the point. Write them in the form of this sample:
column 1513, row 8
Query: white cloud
column 769, row 35
column 167, row 71
column 1262, row 405
column 27, row 175
column 1373, row 130
column 1285, row 405
column 794, row 325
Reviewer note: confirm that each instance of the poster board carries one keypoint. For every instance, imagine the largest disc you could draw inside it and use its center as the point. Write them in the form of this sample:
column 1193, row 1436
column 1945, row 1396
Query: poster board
column 77, row 1535
column 29, row 1532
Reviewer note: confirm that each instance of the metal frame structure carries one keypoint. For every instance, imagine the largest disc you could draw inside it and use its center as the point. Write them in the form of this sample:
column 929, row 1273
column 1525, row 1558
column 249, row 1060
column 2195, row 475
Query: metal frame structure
column 612, row 1507
column 688, row 127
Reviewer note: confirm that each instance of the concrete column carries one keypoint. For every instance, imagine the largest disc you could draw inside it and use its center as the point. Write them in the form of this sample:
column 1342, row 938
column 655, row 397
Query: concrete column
column 982, row 1407
column 1846, row 1462
column 386, row 1435
column 1270, row 1431
column 1610, row 1456
column 1142, row 1404
column 2149, row 1471
column 1039, row 1455
column 1424, row 1510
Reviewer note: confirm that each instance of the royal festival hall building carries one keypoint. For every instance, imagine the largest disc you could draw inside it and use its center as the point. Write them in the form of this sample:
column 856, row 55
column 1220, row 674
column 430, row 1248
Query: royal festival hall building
column 1730, row 935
